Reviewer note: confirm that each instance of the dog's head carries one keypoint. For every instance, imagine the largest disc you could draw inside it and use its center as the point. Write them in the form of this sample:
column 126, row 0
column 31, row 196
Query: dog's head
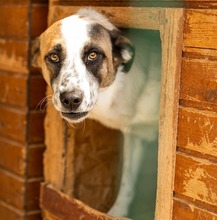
column 79, row 55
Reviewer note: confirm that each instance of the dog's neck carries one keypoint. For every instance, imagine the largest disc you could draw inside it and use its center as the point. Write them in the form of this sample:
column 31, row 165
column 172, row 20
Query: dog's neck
column 116, row 105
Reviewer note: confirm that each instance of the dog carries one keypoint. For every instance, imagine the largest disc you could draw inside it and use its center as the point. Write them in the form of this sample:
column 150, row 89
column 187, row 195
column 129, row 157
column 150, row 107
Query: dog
column 94, row 73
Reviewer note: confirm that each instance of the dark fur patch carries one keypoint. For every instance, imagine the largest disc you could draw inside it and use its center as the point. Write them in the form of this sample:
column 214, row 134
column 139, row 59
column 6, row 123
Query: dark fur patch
column 93, row 66
column 54, row 67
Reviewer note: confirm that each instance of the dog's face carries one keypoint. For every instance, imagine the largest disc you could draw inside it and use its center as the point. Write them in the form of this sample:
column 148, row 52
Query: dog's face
column 79, row 55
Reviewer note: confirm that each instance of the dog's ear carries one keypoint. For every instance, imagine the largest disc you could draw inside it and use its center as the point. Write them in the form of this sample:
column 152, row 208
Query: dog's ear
column 35, row 52
column 123, row 50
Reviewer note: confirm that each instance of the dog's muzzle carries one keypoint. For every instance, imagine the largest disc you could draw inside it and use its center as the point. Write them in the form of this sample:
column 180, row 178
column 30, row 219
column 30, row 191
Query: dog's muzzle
column 71, row 102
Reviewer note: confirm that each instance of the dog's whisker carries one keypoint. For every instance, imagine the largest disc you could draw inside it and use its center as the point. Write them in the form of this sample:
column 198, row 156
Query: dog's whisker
column 46, row 100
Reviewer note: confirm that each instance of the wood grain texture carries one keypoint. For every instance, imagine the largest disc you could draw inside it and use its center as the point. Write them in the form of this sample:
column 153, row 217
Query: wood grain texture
column 13, row 89
column 197, row 131
column 10, row 28
column 182, row 210
column 147, row 18
column 171, row 36
column 10, row 213
column 13, row 124
column 200, row 53
column 144, row 3
column 13, row 191
column 200, row 29
column 13, row 55
column 13, row 156
column 37, row 90
column 67, row 208
column 39, row 16
column 199, row 84
column 36, row 127
column 97, row 165
column 54, row 157
column 196, row 178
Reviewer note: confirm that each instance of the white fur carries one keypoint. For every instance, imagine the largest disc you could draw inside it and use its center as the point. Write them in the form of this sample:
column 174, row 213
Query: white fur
column 73, row 68
column 130, row 103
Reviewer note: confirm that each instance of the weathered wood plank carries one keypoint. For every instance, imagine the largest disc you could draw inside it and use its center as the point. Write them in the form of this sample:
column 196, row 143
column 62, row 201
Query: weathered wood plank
column 36, row 127
column 13, row 191
column 171, row 36
column 200, row 53
column 13, row 21
column 197, row 131
column 13, row 124
column 13, row 89
column 13, row 55
column 97, row 164
column 39, row 19
column 196, row 178
column 182, row 211
column 13, row 156
column 147, row 18
column 37, row 90
column 10, row 213
column 200, row 29
column 54, row 157
column 67, row 208
column 199, row 84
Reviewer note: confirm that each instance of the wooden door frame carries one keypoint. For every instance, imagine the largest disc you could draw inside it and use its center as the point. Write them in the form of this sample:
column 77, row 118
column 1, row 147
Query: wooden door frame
column 169, row 21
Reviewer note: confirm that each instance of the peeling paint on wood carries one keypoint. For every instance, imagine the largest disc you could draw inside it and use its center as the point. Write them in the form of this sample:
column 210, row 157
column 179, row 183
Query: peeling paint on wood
column 196, row 178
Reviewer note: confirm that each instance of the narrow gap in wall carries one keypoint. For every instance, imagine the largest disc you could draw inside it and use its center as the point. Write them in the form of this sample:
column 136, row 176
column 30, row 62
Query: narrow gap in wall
column 28, row 105
column 144, row 134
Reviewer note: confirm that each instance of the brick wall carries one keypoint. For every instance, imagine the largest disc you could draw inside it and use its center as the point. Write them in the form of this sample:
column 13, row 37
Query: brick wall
column 21, row 123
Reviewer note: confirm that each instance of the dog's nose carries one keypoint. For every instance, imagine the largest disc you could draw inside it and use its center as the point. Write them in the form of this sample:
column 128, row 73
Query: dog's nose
column 71, row 100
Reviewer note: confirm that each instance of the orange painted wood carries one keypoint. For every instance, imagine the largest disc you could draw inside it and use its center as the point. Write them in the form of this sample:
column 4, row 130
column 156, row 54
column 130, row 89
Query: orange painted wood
column 13, row 89
column 13, row 156
column 197, row 131
column 12, row 190
column 188, row 211
column 35, row 160
column 200, row 53
column 9, row 213
column 36, row 127
column 199, row 84
column 196, row 178
column 39, row 19
column 32, row 193
column 13, row 21
column 64, row 207
column 97, row 164
column 13, row 55
column 200, row 28
column 37, row 89
column 13, row 124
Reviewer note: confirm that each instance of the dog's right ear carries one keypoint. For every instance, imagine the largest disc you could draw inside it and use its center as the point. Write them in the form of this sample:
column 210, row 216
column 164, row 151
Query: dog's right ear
column 35, row 53
column 123, row 49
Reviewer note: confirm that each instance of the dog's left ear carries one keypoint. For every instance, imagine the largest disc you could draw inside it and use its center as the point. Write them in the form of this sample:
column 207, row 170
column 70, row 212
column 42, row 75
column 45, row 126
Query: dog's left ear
column 123, row 50
column 35, row 52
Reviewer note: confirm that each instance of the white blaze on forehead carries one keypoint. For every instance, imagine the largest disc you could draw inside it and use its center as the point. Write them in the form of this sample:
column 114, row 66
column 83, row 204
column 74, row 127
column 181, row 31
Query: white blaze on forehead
column 74, row 32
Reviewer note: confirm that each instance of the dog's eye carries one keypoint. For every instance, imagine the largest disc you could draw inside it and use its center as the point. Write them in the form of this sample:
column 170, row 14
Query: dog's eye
column 54, row 58
column 92, row 56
